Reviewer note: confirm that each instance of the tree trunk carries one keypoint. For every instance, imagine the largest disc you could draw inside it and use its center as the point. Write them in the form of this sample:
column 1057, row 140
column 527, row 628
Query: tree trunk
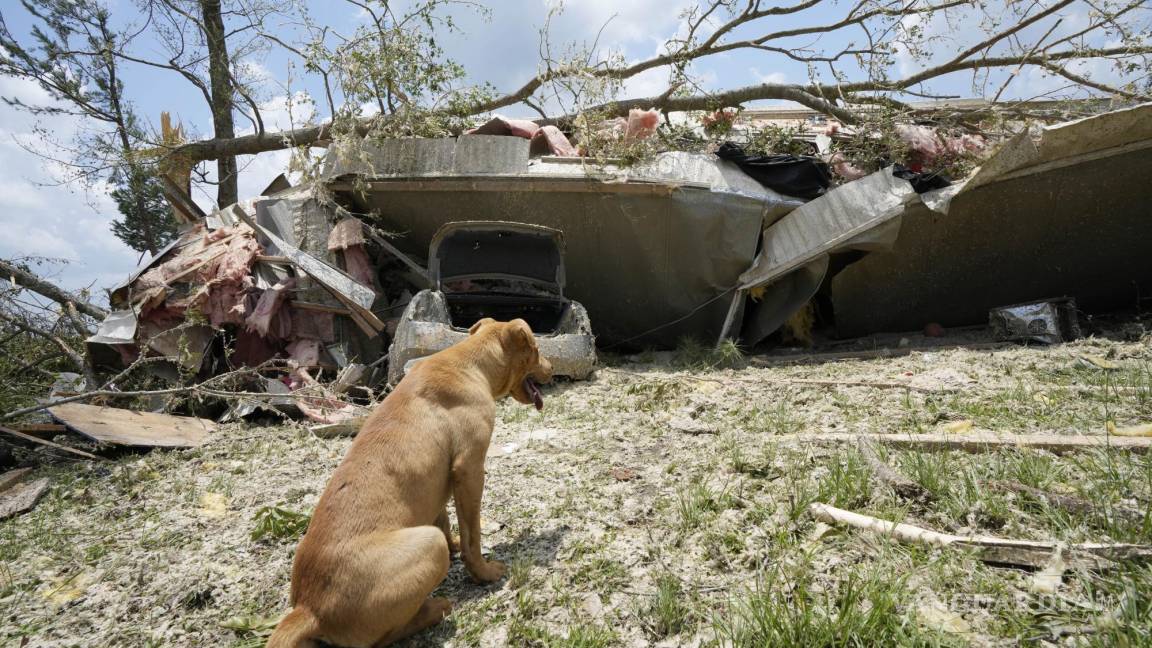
column 221, row 82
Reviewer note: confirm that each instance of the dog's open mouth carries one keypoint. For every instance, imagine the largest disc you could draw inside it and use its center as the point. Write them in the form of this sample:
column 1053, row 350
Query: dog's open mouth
column 533, row 391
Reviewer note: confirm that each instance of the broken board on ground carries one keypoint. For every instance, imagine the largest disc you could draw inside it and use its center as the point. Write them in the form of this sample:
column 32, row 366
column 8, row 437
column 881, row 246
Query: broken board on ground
column 127, row 427
column 17, row 497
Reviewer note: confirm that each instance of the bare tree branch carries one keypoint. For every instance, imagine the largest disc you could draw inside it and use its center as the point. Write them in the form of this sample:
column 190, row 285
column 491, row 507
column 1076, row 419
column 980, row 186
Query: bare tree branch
column 26, row 279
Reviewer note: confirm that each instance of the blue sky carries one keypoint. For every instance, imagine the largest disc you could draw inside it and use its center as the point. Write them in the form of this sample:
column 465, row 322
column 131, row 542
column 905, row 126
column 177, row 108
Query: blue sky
column 45, row 218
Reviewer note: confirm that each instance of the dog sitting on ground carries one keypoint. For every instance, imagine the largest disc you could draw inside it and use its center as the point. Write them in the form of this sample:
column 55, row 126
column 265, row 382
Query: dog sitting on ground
column 379, row 541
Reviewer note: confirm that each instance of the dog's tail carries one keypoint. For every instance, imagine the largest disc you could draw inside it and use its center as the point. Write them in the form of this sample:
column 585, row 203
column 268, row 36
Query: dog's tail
column 295, row 630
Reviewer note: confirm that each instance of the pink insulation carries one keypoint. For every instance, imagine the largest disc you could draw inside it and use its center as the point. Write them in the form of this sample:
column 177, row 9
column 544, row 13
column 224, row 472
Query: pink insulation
column 545, row 140
column 502, row 126
column 641, row 124
column 312, row 325
column 549, row 139
column 347, row 232
column 358, row 265
column 348, row 235
column 305, row 353
column 268, row 318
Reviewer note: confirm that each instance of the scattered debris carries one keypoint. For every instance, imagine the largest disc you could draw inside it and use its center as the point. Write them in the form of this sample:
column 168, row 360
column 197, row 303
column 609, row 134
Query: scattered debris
column 1020, row 553
column 983, row 441
column 1144, row 430
column 689, row 425
column 903, row 486
column 13, row 477
column 623, row 474
column 347, row 428
column 1097, row 362
column 131, row 428
column 1070, row 503
column 49, row 444
column 1048, row 321
column 21, row 497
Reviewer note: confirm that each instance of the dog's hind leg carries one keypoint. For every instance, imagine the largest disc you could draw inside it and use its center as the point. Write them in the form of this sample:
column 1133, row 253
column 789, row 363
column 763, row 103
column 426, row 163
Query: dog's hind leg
column 392, row 574
column 445, row 525
column 430, row 613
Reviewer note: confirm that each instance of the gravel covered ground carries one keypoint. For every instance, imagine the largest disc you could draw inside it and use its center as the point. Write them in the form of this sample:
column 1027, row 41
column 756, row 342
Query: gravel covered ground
column 665, row 502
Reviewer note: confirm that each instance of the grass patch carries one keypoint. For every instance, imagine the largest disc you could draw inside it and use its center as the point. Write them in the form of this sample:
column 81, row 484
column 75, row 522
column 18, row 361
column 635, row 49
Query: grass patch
column 279, row 524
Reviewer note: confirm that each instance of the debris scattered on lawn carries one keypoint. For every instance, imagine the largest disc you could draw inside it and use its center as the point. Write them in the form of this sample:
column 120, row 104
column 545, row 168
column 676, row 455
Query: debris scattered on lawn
column 1144, row 430
column 903, row 486
column 983, row 441
column 1021, row 553
column 1071, row 503
column 49, row 444
column 213, row 505
column 689, row 425
column 13, row 477
column 1048, row 321
column 1049, row 579
column 21, row 497
column 1097, row 362
column 131, row 428
column 623, row 474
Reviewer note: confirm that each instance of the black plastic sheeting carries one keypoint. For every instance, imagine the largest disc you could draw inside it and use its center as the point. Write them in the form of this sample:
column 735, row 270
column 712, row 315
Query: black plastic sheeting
column 921, row 182
column 792, row 175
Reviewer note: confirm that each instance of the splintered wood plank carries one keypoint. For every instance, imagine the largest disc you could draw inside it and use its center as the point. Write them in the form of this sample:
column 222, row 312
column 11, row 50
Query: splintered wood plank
column 49, row 444
column 131, row 428
column 12, row 477
column 22, row 497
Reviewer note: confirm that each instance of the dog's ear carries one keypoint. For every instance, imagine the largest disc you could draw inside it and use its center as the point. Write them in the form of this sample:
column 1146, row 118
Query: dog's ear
column 522, row 333
column 478, row 324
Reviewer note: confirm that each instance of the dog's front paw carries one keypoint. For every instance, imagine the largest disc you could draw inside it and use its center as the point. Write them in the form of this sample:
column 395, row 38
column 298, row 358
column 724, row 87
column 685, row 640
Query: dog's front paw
column 489, row 571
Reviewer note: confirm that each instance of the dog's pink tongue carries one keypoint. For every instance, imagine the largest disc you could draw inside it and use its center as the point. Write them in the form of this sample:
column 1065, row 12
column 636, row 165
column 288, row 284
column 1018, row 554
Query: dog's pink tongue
column 534, row 391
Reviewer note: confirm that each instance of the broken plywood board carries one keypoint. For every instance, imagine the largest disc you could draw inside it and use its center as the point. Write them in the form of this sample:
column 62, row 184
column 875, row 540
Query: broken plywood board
column 126, row 427
column 22, row 497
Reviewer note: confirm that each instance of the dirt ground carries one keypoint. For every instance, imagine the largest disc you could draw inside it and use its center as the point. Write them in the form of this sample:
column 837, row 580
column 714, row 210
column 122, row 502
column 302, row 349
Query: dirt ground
column 662, row 503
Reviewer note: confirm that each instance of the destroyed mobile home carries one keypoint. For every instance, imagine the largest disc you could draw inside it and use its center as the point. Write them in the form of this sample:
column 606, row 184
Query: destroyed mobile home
column 401, row 245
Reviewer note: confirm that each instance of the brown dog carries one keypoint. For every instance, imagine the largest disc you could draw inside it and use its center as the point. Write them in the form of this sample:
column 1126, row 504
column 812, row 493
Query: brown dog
column 379, row 539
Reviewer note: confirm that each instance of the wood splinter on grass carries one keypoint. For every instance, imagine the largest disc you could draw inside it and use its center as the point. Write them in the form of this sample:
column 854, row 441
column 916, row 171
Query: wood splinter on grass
column 903, row 486
column 1004, row 551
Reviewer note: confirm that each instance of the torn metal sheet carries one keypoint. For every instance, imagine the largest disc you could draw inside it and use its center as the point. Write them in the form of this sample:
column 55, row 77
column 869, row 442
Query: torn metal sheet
column 118, row 328
column 1075, row 224
column 843, row 218
column 185, row 345
column 793, row 260
column 131, row 428
column 1056, row 146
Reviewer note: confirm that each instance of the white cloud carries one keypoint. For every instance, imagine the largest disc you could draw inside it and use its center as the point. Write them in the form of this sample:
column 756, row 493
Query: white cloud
column 45, row 219
column 771, row 77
